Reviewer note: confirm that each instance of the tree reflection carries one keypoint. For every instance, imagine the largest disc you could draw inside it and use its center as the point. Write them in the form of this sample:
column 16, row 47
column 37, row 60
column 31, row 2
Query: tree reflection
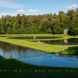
column 65, row 41
column 72, row 50
column 8, row 47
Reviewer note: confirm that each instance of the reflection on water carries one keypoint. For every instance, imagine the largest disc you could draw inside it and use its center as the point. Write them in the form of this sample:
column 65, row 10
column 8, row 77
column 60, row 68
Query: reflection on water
column 65, row 41
column 35, row 57
column 72, row 41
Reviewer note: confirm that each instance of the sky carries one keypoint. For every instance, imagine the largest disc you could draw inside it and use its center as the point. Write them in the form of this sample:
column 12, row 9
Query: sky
column 35, row 7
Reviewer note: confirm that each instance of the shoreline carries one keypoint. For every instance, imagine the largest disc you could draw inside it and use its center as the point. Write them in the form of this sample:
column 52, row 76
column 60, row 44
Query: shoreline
column 48, row 48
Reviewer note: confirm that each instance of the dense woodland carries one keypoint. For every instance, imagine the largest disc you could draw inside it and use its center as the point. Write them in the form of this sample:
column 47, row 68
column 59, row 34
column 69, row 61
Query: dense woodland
column 48, row 23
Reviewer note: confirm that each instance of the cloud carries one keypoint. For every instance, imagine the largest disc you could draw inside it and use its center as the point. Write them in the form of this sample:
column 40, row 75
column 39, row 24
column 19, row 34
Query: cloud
column 31, row 12
column 73, row 6
column 24, row 11
column 20, row 11
column 8, row 0
column 10, row 5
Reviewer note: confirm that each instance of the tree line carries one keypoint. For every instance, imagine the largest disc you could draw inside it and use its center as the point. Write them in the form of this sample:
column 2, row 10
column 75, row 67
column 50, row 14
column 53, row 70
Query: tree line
column 40, row 24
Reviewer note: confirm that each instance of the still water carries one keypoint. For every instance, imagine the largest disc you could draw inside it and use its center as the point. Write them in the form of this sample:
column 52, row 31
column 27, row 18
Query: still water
column 71, row 41
column 35, row 57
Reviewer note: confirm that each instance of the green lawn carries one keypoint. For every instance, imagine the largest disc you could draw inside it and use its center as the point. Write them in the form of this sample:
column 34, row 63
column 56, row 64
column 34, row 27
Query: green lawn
column 39, row 45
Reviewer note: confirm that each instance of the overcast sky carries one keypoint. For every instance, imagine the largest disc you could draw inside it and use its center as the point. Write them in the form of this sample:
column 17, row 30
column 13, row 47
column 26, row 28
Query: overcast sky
column 13, row 7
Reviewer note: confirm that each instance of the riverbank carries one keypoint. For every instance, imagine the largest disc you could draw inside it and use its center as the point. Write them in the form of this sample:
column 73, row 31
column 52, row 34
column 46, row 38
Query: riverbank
column 34, row 45
column 12, row 65
column 43, row 36
column 48, row 48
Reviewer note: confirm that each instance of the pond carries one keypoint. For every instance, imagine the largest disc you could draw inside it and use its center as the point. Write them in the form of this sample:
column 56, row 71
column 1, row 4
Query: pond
column 71, row 41
column 35, row 57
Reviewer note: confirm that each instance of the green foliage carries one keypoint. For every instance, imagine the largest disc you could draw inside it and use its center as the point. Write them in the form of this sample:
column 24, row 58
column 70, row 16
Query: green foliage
column 49, row 23
column 72, row 50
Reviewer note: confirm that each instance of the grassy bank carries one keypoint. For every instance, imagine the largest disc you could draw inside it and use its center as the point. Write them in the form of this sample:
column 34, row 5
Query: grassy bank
column 34, row 45
column 12, row 65
column 39, row 36
column 37, row 45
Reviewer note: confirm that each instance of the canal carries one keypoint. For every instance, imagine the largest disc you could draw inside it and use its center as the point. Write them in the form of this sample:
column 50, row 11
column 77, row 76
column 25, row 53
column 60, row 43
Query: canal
column 35, row 57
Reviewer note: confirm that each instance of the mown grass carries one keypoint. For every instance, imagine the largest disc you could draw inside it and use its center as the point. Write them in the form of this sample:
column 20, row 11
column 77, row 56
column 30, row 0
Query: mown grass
column 34, row 36
column 49, row 48
column 35, row 45
column 40, row 36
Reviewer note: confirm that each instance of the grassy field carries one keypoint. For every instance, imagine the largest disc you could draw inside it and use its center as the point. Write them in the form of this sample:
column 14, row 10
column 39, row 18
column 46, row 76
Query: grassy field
column 40, row 36
column 38, row 45
column 35, row 36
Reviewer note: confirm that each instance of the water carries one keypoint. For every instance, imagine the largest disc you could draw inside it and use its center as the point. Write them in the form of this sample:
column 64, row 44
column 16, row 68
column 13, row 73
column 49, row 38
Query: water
column 71, row 41
column 35, row 57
